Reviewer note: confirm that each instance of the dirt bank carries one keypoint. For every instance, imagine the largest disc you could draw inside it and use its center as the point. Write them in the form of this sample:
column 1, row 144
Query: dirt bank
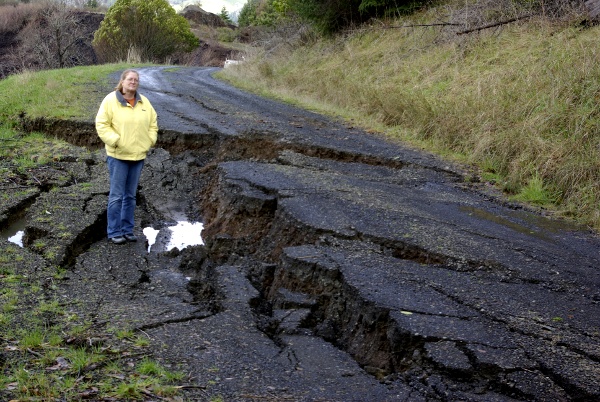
column 336, row 266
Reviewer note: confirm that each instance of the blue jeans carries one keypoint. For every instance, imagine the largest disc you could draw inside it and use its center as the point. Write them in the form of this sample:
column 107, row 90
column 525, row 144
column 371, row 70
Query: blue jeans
column 124, row 179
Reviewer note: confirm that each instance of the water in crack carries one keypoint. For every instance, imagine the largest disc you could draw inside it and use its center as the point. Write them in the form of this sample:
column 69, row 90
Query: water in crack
column 14, row 233
column 17, row 238
column 182, row 235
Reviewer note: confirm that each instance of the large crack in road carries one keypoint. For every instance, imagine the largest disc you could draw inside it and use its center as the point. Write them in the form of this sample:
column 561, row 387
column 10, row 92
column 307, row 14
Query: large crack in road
column 337, row 266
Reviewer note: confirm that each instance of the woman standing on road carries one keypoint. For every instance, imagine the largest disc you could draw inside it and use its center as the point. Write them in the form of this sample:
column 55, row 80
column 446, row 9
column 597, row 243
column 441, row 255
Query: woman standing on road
column 127, row 124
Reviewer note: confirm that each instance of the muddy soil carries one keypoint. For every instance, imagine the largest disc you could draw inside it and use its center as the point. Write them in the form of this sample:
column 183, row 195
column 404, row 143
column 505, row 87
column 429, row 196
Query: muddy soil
column 336, row 265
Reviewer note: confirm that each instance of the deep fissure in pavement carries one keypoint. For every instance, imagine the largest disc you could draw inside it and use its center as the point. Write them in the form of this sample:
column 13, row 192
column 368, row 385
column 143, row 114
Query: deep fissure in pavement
column 302, row 288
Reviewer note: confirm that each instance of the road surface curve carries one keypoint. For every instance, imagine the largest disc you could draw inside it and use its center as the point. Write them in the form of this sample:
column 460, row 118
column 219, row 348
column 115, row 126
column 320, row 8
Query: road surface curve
column 337, row 265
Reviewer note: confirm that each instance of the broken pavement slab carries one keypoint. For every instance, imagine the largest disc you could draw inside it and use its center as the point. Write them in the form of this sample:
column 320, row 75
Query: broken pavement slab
column 337, row 265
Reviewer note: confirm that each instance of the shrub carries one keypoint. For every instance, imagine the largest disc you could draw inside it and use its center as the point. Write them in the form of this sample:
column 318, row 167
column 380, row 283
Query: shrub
column 328, row 16
column 226, row 34
column 150, row 28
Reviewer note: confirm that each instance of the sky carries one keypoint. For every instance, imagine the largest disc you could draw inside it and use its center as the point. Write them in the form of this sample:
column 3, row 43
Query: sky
column 215, row 6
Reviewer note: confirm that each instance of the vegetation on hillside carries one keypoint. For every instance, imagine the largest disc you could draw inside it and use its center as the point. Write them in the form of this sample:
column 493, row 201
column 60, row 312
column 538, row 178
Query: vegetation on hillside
column 44, row 35
column 158, row 32
column 328, row 16
column 517, row 100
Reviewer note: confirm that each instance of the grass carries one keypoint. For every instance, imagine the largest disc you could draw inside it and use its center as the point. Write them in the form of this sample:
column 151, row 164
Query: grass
column 19, row 152
column 50, row 353
column 26, row 95
column 520, row 104
column 81, row 89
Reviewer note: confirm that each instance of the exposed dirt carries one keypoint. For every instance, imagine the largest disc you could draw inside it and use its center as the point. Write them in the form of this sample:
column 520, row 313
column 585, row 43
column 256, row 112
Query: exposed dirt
column 198, row 16
column 337, row 266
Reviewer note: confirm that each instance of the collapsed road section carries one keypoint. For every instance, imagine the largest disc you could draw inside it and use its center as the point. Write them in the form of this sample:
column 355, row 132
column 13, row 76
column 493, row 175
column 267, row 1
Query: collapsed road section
column 337, row 266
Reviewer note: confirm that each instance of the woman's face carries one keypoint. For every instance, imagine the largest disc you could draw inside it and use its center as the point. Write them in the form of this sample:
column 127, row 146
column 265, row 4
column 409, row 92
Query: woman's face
column 131, row 82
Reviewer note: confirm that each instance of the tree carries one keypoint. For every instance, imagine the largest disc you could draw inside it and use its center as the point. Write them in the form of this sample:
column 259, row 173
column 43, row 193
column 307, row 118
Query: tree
column 331, row 16
column 149, row 28
column 248, row 14
column 225, row 16
column 261, row 12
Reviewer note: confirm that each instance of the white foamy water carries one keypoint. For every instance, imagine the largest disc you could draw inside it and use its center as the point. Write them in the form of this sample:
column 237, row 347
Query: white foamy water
column 150, row 234
column 17, row 238
column 183, row 234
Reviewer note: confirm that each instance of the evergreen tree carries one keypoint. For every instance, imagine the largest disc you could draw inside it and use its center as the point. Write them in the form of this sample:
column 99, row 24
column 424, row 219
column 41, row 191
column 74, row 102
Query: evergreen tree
column 225, row 15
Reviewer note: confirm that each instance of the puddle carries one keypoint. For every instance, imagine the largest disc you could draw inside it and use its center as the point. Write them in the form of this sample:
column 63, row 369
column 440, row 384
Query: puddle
column 14, row 233
column 17, row 238
column 150, row 234
column 183, row 234
column 532, row 225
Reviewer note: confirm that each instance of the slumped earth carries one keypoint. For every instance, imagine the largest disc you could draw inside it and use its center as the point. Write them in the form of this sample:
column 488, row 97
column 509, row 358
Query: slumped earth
column 336, row 266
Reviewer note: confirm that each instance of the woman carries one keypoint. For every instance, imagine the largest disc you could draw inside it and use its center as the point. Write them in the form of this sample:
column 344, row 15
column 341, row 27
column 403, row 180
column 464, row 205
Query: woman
column 127, row 124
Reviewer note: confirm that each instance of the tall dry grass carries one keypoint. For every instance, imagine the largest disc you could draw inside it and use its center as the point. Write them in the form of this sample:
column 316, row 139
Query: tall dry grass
column 13, row 16
column 520, row 102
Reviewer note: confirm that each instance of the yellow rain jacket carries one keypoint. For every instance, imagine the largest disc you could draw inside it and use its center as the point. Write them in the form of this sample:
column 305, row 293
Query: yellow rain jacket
column 127, row 132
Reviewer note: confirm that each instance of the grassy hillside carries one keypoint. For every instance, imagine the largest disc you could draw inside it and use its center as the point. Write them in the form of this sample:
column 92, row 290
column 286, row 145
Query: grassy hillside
column 62, row 93
column 518, row 102
column 73, row 93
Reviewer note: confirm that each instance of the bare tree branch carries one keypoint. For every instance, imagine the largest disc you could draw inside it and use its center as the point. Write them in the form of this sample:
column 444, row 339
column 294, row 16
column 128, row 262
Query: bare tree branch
column 495, row 24
column 441, row 24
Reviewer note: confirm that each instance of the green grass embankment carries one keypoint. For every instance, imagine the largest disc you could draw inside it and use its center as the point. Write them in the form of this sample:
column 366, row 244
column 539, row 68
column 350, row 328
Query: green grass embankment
column 72, row 93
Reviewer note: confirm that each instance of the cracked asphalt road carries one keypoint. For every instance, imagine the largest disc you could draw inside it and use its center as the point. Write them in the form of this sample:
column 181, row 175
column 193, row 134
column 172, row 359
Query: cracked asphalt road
column 337, row 265
column 469, row 285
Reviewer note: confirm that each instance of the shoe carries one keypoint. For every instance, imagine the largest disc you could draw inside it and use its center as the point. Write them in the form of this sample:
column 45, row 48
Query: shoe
column 118, row 240
column 130, row 237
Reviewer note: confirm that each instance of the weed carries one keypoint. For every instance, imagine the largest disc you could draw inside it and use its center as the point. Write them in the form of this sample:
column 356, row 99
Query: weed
column 125, row 334
column 12, row 278
column 32, row 339
column 113, row 367
column 141, row 342
column 81, row 358
column 173, row 376
column 59, row 273
column 164, row 390
column 149, row 367
column 54, row 339
column 131, row 389
column 5, row 319
column 78, row 330
column 535, row 192
column 65, row 235
column 39, row 244
column 50, row 307
column 33, row 384
column 50, row 255
column 4, row 260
